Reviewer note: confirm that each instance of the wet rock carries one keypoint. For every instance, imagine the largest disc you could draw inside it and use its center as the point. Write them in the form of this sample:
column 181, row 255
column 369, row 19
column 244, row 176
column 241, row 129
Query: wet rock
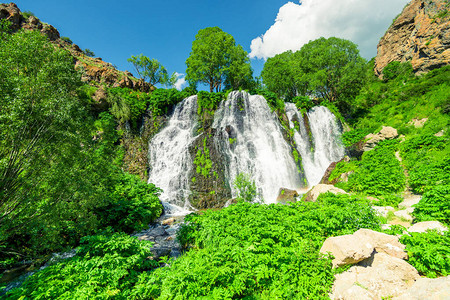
column 286, row 195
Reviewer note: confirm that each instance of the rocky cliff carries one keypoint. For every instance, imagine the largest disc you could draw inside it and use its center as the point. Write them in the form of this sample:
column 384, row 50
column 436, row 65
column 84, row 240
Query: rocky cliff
column 95, row 71
column 420, row 34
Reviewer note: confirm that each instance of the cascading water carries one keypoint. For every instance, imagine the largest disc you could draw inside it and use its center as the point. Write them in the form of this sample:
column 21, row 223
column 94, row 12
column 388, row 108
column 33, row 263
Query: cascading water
column 250, row 138
column 324, row 135
column 169, row 157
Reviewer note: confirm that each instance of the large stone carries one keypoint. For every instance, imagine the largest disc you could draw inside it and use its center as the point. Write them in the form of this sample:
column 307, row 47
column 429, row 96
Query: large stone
column 428, row 225
column 347, row 249
column 286, row 195
column 386, row 133
column 326, row 176
column 420, row 35
column 380, row 275
column 428, row 288
column 410, row 201
column 404, row 214
column 313, row 194
column 382, row 243
column 353, row 248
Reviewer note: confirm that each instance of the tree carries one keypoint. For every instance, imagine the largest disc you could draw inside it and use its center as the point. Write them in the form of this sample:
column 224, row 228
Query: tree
column 279, row 75
column 331, row 69
column 215, row 60
column 150, row 70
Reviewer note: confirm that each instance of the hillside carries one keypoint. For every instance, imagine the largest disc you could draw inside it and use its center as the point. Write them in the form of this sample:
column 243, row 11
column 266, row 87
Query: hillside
column 295, row 190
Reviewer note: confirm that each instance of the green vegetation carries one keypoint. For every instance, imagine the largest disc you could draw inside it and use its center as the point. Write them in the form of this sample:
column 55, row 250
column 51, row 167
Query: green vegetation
column 429, row 252
column 217, row 61
column 246, row 189
column 67, row 40
column 203, row 161
column 105, row 266
column 151, row 70
column 88, row 52
column 434, row 205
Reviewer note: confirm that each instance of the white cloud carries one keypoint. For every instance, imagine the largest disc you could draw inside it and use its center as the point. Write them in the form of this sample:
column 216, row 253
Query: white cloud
column 181, row 81
column 361, row 21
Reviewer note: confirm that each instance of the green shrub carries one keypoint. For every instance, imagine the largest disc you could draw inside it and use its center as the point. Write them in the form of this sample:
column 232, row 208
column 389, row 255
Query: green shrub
column 105, row 266
column 67, row 39
column 379, row 171
column 434, row 205
column 396, row 69
column 303, row 102
column 246, row 189
column 132, row 205
column 352, row 137
column 429, row 252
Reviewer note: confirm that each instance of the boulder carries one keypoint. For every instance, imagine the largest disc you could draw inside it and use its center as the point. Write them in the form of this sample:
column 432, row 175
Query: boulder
column 382, row 243
column 409, row 201
column 353, row 248
column 405, row 214
column 386, row 133
column 428, row 225
column 286, row 195
column 326, row 177
column 418, row 123
column 427, row 288
column 313, row 194
column 380, row 275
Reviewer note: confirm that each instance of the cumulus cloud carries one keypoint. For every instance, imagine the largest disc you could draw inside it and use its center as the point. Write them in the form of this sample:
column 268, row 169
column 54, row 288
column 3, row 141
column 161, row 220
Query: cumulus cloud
column 361, row 21
column 181, row 81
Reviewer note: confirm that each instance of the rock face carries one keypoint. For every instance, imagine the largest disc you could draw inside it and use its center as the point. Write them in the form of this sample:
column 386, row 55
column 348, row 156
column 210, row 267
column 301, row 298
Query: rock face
column 428, row 288
column 93, row 69
column 313, row 194
column 420, row 34
column 386, row 133
column 286, row 195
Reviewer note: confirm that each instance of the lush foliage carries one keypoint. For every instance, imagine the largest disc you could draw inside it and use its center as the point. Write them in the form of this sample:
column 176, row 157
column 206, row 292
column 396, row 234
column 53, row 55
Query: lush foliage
column 216, row 60
column 378, row 173
column 246, row 189
column 151, row 70
column 428, row 162
column 105, row 266
column 434, row 205
column 331, row 69
column 429, row 252
column 261, row 251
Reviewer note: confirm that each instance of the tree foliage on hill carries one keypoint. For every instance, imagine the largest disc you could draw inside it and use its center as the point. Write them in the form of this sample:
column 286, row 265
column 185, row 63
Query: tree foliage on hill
column 151, row 70
column 331, row 69
column 217, row 61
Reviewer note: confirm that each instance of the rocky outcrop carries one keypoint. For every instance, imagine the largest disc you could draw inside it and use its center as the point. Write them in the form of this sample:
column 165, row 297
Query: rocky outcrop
column 313, row 194
column 420, row 35
column 93, row 69
column 427, row 288
column 386, row 133
column 286, row 195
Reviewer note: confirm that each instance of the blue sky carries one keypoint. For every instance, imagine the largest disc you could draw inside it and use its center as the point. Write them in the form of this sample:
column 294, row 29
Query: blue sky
column 164, row 30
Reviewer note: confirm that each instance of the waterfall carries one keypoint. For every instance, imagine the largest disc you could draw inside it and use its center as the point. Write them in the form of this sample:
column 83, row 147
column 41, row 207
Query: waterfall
column 250, row 138
column 319, row 147
column 169, row 157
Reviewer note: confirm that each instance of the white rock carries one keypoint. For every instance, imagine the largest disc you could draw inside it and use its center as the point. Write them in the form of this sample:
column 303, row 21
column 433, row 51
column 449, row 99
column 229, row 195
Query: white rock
column 428, row 288
column 410, row 201
column 428, row 225
column 381, row 275
column 382, row 242
column 315, row 191
column 405, row 214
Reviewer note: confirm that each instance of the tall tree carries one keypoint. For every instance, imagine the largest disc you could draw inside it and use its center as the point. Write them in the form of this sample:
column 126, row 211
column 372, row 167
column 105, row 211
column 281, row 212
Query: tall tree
column 332, row 68
column 150, row 70
column 215, row 60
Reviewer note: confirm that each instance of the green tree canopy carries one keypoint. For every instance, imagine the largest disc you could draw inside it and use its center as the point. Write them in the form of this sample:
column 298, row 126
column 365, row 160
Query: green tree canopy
column 150, row 70
column 216, row 60
column 331, row 69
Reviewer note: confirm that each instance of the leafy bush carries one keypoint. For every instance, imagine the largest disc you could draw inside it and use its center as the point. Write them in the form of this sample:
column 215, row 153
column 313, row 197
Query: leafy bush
column 258, row 251
column 133, row 204
column 88, row 52
column 105, row 266
column 396, row 69
column 303, row 102
column 429, row 252
column 434, row 205
column 379, row 172
column 427, row 159
column 246, row 189
column 352, row 137
column 208, row 102
column 67, row 39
